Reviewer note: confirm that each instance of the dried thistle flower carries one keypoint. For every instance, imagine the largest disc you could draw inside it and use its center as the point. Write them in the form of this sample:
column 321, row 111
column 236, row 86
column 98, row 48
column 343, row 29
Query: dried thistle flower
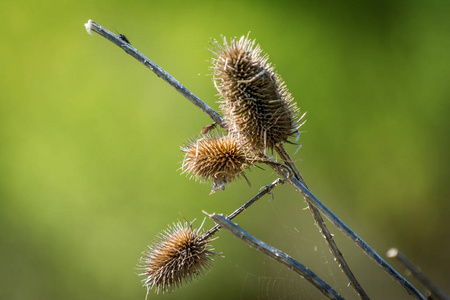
column 255, row 100
column 218, row 158
column 178, row 255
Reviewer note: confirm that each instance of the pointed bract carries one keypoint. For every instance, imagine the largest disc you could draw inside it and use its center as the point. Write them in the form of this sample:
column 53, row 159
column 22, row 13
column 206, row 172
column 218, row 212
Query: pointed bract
column 178, row 255
column 255, row 101
column 218, row 158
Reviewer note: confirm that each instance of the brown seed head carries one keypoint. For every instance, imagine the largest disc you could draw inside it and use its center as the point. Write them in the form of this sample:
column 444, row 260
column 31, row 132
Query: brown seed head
column 178, row 255
column 217, row 158
column 255, row 101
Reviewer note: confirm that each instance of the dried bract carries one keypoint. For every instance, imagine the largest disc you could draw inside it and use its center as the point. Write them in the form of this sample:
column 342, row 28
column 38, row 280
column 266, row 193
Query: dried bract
column 178, row 255
column 217, row 158
column 255, row 101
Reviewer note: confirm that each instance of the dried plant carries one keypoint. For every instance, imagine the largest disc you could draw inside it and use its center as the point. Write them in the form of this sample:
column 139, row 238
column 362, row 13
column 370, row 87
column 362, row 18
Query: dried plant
column 178, row 255
column 214, row 157
column 259, row 114
column 255, row 101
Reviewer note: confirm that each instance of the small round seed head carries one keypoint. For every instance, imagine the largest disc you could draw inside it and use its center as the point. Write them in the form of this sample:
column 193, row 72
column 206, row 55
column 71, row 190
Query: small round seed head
column 178, row 255
column 217, row 158
column 255, row 100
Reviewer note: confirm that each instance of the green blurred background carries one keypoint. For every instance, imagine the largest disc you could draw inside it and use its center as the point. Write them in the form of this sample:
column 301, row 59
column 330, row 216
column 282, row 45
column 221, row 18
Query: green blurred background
column 90, row 141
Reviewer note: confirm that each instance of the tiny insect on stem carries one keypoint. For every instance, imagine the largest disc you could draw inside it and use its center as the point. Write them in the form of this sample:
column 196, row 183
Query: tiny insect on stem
column 124, row 38
column 208, row 128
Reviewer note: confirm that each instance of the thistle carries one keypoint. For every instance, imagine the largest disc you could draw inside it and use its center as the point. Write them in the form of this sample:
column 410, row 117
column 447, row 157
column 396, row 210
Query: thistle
column 178, row 255
column 218, row 158
column 255, row 101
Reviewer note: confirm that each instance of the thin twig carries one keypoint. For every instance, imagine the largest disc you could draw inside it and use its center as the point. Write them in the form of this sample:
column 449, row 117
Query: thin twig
column 275, row 254
column 92, row 26
column 116, row 39
column 417, row 272
column 258, row 196
column 355, row 238
column 339, row 258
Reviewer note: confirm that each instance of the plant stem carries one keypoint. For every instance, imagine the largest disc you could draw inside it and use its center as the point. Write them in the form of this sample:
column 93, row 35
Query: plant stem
column 92, row 26
column 339, row 258
column 116, row 39
column 258, row 196
column 417, row 272
column 355, row 238
column 275, row 254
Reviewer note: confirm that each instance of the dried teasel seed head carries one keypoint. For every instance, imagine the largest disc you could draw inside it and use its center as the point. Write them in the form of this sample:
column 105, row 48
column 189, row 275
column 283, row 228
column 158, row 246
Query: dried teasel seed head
column 218, row 158
column 255, row 100
column 178, row 255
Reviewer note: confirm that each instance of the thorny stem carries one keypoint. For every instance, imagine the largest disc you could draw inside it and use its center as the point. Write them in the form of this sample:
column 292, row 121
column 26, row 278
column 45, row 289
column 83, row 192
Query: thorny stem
column 436, row 293
column 275, row 254
column 323, row 228
column 258, row 196
column 92, row 26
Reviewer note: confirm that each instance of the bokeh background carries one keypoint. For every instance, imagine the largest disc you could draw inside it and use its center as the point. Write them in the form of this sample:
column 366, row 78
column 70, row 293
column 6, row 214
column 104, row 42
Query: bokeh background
column 90, row 143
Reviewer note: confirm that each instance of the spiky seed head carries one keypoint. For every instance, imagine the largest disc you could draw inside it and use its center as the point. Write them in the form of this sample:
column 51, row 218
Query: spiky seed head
column 255, row 100
column 178, row 255
column 218, row 158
